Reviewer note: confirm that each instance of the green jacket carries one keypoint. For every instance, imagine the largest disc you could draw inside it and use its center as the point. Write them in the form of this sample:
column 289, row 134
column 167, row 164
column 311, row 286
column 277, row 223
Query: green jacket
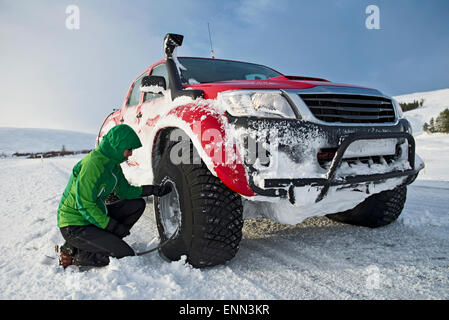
column 95, row 177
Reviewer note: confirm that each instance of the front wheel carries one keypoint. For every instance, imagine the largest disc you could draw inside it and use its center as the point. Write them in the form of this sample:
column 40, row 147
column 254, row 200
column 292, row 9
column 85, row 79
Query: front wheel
column 378, row 210
column 206, row 215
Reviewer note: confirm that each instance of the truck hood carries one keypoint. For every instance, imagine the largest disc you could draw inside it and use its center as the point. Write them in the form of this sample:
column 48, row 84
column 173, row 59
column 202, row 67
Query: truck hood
column 283, row 82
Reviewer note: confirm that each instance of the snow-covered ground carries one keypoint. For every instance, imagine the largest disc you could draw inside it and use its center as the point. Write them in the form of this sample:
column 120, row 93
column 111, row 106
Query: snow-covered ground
column 317, row 259
column 434, row 102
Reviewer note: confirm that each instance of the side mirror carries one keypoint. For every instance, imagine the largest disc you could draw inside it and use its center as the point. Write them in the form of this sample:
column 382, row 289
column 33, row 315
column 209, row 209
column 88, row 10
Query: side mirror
column 153, row 84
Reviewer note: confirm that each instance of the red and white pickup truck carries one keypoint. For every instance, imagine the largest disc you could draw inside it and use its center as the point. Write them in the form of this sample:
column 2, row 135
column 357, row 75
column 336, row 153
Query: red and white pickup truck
column 237, row 140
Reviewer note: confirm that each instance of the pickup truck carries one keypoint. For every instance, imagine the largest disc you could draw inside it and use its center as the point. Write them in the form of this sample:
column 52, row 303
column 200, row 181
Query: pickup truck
column 237, row 140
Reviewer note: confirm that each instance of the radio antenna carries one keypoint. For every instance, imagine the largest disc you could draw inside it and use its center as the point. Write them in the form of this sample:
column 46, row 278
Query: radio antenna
column 210, row 40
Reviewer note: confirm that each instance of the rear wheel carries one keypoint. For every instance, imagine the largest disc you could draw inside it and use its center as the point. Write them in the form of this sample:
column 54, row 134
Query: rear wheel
column 207, row 216
column 377, row 210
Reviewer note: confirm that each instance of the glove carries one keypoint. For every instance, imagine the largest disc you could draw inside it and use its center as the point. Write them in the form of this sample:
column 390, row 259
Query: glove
column 117, row 228
column 147, row 190
column 160, row 191
column 155, row 190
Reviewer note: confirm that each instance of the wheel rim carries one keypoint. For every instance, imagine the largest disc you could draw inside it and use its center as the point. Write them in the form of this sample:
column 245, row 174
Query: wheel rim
column 170, row 210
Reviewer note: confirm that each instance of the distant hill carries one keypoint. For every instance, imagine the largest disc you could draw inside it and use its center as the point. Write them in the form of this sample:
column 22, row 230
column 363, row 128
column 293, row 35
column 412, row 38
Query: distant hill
column 434, row 102
column 42, row 140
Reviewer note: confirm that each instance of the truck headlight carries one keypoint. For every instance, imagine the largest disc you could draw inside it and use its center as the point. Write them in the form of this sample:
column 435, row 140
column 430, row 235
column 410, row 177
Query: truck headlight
column 398, row 108
column 260, row 103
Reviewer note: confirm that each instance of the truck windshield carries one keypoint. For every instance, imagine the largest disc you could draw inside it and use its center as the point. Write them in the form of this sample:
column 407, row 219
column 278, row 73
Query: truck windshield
column 200, row 70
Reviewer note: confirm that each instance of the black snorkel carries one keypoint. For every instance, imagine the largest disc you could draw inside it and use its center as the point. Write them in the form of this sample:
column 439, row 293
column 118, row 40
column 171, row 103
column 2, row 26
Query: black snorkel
column 171, row 42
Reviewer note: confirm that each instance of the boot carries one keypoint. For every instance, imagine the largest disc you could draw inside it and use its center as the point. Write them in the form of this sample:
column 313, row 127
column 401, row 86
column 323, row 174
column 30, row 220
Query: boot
column 65, row 254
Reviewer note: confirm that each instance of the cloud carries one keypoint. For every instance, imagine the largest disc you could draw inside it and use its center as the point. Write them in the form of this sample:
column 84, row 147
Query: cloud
column 255, row 11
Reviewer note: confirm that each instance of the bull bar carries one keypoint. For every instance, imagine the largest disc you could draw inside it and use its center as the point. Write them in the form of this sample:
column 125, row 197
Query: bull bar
column 277, row 187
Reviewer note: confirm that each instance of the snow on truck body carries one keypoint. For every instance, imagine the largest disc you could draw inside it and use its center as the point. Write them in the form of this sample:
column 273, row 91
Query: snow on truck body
column 291, row 147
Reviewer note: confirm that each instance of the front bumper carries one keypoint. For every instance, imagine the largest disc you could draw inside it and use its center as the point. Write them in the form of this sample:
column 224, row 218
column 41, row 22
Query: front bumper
column 340, row 137
column 276, row 187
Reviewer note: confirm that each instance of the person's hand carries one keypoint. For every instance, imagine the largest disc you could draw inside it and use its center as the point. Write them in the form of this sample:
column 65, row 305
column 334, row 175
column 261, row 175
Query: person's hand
column 155, row 190
column 160, row 191
column 117, row 228
column 147, row 190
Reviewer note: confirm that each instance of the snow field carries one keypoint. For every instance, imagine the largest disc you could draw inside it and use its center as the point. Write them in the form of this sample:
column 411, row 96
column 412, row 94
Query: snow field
column 31, row 190
column 434, row 102
column 316, row 259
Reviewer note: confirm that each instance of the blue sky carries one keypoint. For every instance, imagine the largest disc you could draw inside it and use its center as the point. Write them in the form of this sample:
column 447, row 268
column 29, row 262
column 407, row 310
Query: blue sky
column 57, row 78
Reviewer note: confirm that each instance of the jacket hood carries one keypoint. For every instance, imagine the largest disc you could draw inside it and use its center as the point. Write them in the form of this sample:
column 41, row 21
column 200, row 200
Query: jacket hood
column 118, row 139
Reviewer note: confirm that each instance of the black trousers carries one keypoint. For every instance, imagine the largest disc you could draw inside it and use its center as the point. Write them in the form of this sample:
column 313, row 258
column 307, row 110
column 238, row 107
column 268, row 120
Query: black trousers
column 94, row 240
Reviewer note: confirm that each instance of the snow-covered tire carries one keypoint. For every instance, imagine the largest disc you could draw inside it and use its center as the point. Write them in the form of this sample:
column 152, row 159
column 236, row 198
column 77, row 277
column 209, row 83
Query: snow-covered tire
column 376, row 211
column 211, row 215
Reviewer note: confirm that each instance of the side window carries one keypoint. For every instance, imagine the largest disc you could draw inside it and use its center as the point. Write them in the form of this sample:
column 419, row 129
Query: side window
column 159, row 70
column 134, row 97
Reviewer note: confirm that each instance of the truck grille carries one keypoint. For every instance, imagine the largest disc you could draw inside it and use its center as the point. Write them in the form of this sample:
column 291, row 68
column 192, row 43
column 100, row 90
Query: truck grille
column 325, row 157
column 350, row 108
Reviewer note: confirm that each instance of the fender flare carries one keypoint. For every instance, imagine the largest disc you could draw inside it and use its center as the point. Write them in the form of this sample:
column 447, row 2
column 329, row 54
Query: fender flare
column 201, row 124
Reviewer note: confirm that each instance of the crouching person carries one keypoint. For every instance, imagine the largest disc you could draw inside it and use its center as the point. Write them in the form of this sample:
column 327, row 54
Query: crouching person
column 93, row 230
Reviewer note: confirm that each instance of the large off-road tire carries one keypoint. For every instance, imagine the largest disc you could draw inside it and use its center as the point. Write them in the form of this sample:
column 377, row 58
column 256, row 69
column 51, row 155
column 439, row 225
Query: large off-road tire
column 377, row 210
column 207, row 215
